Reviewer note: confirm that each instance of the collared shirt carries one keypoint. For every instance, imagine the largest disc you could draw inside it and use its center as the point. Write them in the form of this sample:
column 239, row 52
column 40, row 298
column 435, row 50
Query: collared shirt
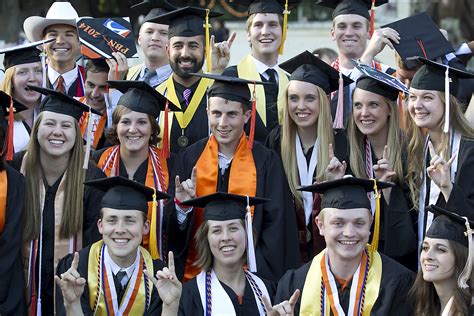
column 116, row 268
column 162, row 73
column 261, row 68
column 69, row 77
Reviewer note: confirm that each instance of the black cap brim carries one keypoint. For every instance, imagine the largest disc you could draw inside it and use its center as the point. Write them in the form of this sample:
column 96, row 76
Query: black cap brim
column 23, row 54
column 366, row 184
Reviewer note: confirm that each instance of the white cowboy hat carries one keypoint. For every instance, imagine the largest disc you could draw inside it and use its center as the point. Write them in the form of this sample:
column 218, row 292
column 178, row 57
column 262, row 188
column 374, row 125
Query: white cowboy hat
column 58, row 13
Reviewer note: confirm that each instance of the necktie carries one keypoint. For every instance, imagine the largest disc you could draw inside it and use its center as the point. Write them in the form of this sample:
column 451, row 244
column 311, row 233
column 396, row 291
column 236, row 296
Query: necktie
column 272, row 78
column 61, row 87
column 149, row 74
column 187, row 96
column 121, row 283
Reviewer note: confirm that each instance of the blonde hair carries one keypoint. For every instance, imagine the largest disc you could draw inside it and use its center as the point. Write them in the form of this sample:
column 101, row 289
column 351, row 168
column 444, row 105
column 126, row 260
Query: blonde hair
column 288, row 138
column 73, row 208
column 7, row 84
column 395, row 144
column 416, row 144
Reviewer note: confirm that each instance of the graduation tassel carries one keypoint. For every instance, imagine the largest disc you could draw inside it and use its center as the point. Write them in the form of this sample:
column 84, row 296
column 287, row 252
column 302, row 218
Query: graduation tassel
column 153, row 241
column 374, row 245
column 88, row 140
column 208, row 42
column 165, row 150
column 251, row 261
column 372, row 18
column 465, row 274
column 446, row 92
column 43, row 66
column 285, row 24
column 339, row 117
column 252, row 117
column 11, row 112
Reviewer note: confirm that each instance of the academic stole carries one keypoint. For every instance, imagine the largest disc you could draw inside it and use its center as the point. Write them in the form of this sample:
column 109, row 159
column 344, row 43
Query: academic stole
column 134, row 72
column 103, row 298
column 247, row 70
column 99, row 127
column 369, row 171
column 214, row 298
column 33, row 251
column 455, row 142
column 168, row 89
column 3, row 198
column 156, row 178
column 320, row 294
column 242, row 180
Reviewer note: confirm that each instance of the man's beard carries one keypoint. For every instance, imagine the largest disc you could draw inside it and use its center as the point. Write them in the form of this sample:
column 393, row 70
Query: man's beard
column 186, row 73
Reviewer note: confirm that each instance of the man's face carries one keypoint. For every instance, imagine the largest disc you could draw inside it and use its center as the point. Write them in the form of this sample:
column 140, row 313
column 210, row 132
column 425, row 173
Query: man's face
column 153, row 38
column 346, row 232
column 406, row 75
column 350, row 32
column 186, row 54
column 264, row 34
column 66, row 44
column 95, row 87
column 122, row 232
column 227, row 120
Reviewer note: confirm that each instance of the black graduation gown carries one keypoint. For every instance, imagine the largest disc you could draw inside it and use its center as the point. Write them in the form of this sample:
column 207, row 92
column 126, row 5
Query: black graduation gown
column 12, row 293
column 308, row 235
column 274, row 222
column 271, row 98
column 392, row 299
column 90, row 233
column 65, row 264
column 190, row 303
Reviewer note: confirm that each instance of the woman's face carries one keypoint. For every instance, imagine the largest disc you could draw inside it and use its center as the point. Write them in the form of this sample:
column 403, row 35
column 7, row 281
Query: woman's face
column 437, row 260
column 426, row 108
column 31, row 73
column 56, row 134
column 370, row 112
column 303, row 103
column 134, row 131
column 227, row 241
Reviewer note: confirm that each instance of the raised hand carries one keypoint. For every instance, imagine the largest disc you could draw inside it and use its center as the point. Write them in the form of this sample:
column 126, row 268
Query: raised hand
column 440, row 171
column 335, row 169
column 167, row 284
column 220, row 54
column 284, row 308
column 381, row 38
column 71, row 283
column 186, row 190
column 383, row 169
column 118, row 63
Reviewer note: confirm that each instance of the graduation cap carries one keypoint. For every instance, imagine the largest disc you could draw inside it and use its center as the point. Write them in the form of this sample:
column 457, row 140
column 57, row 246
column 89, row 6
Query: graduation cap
column 222, row 206
column 350, row 193
column 419, row 36
column 22, row 54
column 359, row 7
column 439, row 77
column 235, row 89
column 457, row 228
column 11, row 106
column 309, row 68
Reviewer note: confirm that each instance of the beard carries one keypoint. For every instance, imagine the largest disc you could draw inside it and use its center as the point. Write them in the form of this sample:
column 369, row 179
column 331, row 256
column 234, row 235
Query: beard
column 185, row 73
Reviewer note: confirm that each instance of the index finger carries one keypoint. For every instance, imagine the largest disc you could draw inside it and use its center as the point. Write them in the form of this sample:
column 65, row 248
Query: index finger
column 171, row 262
column 294, row 298
column 177, row 182
column 450, row 161
column 385, row 152
column 212, row 42
column 75, row 261
column 330, row 152
column 432, row 150
column 194, row 176
column 231, row 38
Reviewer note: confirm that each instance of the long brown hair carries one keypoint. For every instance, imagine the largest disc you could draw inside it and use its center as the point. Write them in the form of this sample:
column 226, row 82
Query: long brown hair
column 423, row 293
column 416, row 143
column 288, row 138
column 395, row 144
column 73, row 208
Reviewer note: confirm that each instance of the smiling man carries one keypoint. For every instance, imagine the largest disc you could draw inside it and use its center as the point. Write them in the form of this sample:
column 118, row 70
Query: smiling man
column 62, row 72
column 227, row 162
column 351, row 277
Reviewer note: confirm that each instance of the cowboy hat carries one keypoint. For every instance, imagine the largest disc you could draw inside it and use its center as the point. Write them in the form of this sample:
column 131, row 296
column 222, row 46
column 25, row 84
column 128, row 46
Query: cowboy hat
column 58, row 13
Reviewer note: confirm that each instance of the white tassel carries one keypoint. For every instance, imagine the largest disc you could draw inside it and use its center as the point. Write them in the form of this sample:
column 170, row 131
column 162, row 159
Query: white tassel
column 465, row 274
column 88, row 140
column 446, row 92
column 251, row 260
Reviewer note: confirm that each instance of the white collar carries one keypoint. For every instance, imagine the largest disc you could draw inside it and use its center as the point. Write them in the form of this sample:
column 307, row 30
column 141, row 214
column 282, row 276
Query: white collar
column 261, row 67
column 69, row 76
column 115, row 267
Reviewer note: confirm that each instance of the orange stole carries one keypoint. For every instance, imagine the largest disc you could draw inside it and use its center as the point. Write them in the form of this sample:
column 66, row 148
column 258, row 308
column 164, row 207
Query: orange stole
column 3, row 198
column 149, row 182
column 98, row 131
column 242, row 180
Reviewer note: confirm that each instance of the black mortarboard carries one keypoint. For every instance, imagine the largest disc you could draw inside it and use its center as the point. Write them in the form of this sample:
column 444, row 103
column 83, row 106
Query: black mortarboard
column 61, row 103
column 125, row 194
column 309, row 68
column 419, row 36
column 187, row 21
column 141, row 97
column 267, row 6
column 346, row 193
column 222, row 206
column 5, row 100
column 230, row 88
column 359, row 7
column 22, row 54
column 448, row 225
column 153, row 8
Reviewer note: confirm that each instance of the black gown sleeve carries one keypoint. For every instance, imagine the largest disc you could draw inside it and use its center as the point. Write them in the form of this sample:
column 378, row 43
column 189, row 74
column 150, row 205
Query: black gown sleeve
column 289, row 283
column 12, row 294
column 156, row 303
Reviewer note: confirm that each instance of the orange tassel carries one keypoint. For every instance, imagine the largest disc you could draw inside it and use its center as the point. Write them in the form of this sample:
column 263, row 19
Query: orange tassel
column 252, row 118
column 372, row 18
column 10, row 131
column 165, row 148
